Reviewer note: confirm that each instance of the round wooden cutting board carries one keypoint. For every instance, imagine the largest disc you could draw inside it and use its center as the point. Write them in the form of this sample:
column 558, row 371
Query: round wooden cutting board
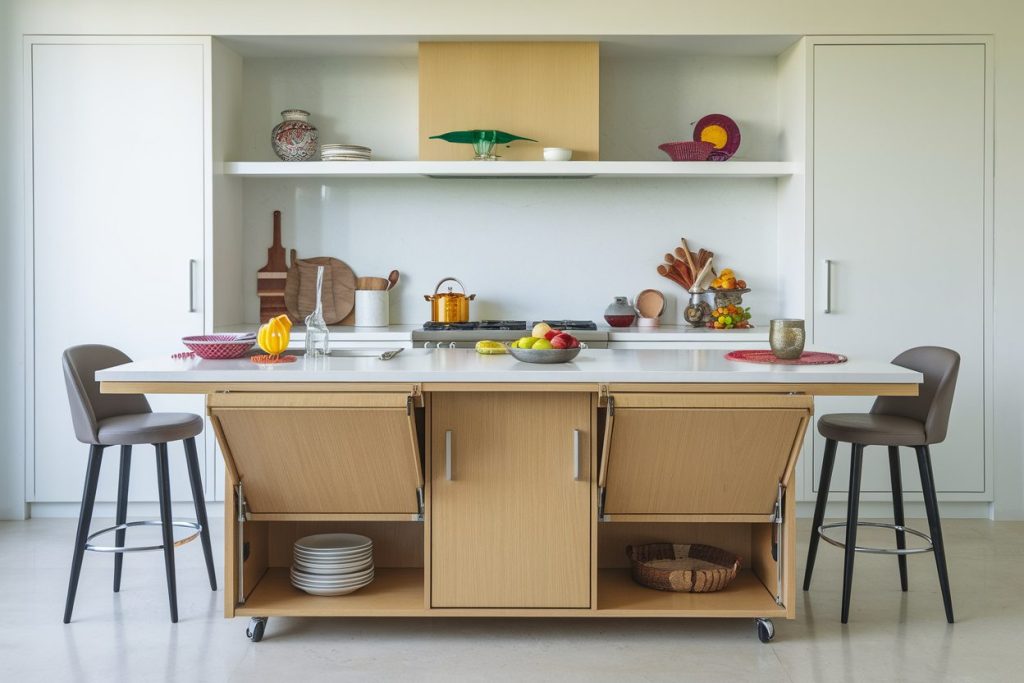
column 339, row 289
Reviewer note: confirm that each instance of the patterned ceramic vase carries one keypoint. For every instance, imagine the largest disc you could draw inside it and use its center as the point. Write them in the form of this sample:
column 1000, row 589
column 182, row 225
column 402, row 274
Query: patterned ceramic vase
column 295, row 138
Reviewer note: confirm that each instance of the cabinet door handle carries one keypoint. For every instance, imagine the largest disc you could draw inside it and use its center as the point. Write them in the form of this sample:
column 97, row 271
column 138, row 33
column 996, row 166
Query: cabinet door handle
column 828, row 285
column 577, row 466
column 191, row 285
column 448, row 455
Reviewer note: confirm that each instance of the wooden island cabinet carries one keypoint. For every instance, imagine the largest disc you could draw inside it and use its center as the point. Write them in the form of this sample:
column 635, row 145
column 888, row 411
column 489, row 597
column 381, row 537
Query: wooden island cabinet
column 490, row 489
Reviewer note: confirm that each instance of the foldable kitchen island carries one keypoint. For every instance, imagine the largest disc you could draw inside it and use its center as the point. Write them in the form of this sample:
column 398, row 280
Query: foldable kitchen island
column 492, row 487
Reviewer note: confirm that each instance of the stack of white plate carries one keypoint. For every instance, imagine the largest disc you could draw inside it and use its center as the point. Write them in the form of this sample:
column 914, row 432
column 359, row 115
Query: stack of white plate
column 335, row 152
column 332, row 564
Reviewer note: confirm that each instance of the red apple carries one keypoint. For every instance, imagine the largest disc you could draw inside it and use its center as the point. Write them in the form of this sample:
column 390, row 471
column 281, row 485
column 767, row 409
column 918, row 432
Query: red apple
column 574, row 343
column 551, row 334
column 562, row 341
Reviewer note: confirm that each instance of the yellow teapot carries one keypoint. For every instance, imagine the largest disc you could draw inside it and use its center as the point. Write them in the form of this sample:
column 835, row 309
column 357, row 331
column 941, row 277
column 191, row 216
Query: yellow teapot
column 274, row 336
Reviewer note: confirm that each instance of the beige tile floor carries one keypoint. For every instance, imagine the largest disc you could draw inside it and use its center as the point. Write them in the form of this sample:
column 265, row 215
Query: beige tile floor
column 892, row 636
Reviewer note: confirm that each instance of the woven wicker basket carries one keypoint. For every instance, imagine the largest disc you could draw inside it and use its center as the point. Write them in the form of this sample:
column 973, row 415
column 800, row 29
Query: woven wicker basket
column 682, row 568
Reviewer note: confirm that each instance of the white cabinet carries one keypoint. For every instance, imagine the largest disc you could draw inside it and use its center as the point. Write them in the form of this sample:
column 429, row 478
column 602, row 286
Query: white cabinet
column 119, row 176
column 900, row 231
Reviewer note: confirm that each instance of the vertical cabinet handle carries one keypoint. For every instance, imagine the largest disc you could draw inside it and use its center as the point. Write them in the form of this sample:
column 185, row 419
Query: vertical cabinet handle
column 828, row 285
column 576, row 464
column 191, row 285
column 448, row 455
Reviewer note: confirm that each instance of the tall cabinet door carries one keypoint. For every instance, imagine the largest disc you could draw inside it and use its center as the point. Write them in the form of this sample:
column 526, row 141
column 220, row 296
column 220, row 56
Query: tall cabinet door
column 119, row 169
column 510, row 500
column 899, row 193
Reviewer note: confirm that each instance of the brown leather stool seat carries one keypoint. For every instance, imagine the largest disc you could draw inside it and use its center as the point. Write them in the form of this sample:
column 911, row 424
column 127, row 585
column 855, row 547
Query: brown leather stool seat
column 893, row 422
column 869, row 429
column 148, row 428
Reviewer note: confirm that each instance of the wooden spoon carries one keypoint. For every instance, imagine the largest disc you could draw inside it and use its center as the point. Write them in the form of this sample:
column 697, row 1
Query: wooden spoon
column 392, row 279
column 668, row 271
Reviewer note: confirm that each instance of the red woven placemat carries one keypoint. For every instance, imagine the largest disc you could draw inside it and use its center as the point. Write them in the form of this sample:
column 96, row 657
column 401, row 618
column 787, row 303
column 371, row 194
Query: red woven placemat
column 806, row 358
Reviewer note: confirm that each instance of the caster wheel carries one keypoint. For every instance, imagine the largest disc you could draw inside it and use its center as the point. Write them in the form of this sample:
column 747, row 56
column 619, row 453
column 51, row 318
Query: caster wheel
column 765, row 630
column 257, row 625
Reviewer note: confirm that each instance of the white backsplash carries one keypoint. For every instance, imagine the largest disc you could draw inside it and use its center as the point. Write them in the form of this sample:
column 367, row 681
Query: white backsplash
column 527, row 248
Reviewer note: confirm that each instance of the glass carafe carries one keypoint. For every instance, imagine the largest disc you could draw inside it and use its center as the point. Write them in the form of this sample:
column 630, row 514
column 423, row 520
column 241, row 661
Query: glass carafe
column 317, row 336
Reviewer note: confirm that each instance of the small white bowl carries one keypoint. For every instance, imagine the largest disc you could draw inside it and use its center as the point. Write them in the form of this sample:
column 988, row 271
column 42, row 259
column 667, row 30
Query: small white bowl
column 557, row 154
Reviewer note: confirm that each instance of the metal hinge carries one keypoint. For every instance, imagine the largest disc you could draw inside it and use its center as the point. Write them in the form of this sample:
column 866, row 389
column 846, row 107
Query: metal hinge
column 419, row 501
column 602, row 394
column 600, row 504
column 240, row 519
column 778, row 540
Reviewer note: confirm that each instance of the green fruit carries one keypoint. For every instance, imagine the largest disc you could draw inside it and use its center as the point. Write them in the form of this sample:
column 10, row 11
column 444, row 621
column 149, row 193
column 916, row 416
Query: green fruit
column 542, row 345
column 526, row 342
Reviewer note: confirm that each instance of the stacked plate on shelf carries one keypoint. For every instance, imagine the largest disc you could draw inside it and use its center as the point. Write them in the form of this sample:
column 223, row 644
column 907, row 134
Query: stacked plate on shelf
column 334, row 152
column 332, row 564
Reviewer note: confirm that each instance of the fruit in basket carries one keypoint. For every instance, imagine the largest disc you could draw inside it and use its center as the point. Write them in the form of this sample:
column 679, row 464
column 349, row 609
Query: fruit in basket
column 542, row 345
column 727, row 280
column 525, row 342
column 730, row 317
column 551, row 334
column 540, row 329
column 274, row 336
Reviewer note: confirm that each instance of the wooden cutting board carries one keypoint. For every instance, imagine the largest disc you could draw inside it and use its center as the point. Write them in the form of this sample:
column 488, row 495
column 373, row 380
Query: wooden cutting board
column 339, row 289
column 271, row 278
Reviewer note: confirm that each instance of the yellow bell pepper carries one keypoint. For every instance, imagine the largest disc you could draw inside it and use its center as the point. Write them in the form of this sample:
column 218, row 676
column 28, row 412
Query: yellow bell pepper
column 274, row 336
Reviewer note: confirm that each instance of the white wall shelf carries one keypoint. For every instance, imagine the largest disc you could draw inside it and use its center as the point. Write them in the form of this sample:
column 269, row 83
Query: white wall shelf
column 512, row 169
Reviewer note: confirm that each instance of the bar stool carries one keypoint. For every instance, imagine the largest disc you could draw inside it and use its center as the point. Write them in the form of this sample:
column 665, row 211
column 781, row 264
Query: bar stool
column 103, row 420
column 894, row 421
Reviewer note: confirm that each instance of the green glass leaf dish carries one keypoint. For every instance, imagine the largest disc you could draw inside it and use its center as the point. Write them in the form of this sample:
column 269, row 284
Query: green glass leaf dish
column 483, row 141
column 470, row 137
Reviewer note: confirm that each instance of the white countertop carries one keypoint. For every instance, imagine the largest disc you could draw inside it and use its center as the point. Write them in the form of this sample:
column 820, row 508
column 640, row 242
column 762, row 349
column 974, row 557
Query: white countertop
column 465, row 365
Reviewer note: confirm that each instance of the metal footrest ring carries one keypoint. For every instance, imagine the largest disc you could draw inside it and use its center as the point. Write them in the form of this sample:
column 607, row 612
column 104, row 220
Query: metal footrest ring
column 878, row 551
column 195, row 526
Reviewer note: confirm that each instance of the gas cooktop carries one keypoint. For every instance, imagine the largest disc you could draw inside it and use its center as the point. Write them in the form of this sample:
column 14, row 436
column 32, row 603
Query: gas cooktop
column 482, row 325
column 570, row 324
column 509, row 325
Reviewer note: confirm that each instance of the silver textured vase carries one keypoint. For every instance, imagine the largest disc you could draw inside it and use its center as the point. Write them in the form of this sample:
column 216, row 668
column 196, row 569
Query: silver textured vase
column 295, row 138
column 786, row 338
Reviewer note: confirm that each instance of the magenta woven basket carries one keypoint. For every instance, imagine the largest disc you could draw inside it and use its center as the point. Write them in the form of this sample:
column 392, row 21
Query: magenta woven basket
column 217, row 346
column 688, row 150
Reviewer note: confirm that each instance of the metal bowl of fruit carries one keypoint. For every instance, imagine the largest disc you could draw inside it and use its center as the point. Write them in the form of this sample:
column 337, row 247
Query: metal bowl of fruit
column 544, row 355
column 546, row 345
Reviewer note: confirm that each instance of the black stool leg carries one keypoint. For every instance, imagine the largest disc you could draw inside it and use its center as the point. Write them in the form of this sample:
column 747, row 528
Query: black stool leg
column 931, row 506
column 92, row 477
column 852, row 514
column 192, row 458
column 827, row 462
column 164, row 486
column 896, row 478
column 122, row 511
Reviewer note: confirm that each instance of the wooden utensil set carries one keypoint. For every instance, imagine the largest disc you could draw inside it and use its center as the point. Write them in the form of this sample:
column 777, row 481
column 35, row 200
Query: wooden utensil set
column 686, row 269
column 281, row 290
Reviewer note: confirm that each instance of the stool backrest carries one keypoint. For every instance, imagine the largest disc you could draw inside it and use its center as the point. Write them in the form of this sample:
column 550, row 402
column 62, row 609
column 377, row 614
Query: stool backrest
column 88, row 405
column 935, row 397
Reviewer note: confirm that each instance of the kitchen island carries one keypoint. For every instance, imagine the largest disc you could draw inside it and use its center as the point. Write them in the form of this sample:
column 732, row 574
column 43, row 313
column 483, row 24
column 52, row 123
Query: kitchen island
column 492, row 487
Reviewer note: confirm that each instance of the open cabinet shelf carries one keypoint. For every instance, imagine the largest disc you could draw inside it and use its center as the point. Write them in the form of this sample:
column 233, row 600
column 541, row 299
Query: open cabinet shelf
column 394, row 592
column 619, row 596
column 511, row 169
